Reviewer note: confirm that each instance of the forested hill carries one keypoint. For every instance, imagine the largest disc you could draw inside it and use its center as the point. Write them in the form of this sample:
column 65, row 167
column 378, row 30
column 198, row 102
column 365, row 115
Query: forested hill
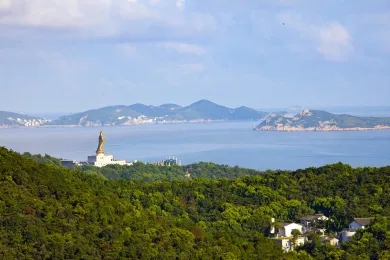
column 49, row 212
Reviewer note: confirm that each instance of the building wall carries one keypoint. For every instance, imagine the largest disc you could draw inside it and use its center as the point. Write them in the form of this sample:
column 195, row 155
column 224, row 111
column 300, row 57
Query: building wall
column 334, row 242
column 286, row 230
column 354, row 226
column 101, row 160
column 346, row 235
column 288, row 245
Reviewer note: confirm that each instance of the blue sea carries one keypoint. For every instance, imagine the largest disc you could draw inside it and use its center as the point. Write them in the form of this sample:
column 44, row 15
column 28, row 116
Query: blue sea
column 232, row 143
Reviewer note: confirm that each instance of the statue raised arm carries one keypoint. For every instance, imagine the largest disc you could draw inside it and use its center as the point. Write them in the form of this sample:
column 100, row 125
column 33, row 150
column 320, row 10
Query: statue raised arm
column 101, row 144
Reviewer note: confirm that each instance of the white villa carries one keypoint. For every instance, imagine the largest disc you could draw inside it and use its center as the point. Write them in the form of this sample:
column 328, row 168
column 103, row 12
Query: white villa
column 285, row 229
column 283, row 236
column 357, row 223
column 288, row 245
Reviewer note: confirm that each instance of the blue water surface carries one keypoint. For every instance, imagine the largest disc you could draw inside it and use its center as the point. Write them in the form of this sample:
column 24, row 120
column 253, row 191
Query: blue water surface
column 223, row 143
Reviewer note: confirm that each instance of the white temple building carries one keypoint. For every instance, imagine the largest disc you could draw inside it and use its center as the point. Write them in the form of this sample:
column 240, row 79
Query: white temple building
column 101, row 159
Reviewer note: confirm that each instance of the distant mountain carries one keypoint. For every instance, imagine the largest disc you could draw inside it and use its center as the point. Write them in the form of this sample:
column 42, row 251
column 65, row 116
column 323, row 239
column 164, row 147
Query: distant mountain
column 10, row 119
column 111, row 115
column 318, row 120
column 199, row 111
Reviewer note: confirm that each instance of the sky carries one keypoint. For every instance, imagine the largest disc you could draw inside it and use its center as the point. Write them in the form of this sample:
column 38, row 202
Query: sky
column 74, row 55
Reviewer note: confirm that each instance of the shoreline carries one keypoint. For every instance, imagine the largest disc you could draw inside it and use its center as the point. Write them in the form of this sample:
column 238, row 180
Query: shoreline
column 296, row 129
column 124, row 125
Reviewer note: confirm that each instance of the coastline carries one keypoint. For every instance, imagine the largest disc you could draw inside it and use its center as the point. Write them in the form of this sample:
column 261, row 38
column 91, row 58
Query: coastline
column 318, row 129
column 199, row 121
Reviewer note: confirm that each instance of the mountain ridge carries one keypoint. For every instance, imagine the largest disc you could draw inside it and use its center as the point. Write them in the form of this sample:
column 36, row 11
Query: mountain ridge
column 319, row 120
column 199, row 111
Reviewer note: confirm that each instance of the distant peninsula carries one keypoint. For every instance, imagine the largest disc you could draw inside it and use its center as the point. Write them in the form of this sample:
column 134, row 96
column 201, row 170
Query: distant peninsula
column 318, row 120
column 200, row 111
column 10, row 119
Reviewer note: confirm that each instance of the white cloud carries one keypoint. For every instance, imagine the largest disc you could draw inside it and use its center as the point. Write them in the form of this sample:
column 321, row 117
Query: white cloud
column 183, row 47
column 57, row 13
column 334, row 42
column 180, row 4
column 5, row 4
column 90, row 18
column 132, row 10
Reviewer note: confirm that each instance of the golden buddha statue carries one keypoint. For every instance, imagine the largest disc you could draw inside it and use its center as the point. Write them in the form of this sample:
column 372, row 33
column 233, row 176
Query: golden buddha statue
column 101, row 144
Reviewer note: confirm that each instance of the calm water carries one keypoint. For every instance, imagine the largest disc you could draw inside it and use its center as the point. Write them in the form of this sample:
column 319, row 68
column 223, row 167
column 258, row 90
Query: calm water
column 223, row 143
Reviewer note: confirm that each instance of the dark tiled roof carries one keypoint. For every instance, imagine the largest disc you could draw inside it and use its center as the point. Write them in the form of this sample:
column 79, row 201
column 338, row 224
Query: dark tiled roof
column 363, row 221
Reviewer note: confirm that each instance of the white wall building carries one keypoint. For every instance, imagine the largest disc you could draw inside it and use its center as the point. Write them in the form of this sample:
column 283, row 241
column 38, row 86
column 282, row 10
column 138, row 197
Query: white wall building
column 357, row 223
column 346, row 235
column 101, row 160
column 288, row 245
column 285, row 229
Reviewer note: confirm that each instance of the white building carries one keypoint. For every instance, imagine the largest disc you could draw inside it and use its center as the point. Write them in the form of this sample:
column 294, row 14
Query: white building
column 285, row 229
column 287, row 244
column 101, row 160
column 357, row 223
column 346, row 235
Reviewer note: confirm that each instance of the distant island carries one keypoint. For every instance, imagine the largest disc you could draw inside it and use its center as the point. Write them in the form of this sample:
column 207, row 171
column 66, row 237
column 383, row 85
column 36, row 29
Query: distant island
column 318, row 120
column 200, row 111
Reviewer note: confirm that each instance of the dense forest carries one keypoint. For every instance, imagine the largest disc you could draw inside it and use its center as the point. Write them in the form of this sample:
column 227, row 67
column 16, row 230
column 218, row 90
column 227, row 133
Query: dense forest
column 157, row 212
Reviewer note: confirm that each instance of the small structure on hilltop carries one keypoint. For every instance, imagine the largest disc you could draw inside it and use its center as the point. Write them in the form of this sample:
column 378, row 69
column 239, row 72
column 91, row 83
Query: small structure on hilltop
column 101, row 159
column 169, row 161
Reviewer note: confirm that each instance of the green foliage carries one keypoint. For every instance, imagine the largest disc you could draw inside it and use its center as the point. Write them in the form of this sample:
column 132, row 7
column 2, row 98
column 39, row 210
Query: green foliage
column 46, row 159
column 50, row 212
column 150, row 172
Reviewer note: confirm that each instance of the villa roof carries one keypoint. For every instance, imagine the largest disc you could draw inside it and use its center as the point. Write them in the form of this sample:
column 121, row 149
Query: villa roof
column 363, row 221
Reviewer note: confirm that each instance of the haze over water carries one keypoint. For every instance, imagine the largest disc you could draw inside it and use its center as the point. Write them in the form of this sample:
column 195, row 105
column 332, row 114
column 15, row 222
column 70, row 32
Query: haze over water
column 222, row 143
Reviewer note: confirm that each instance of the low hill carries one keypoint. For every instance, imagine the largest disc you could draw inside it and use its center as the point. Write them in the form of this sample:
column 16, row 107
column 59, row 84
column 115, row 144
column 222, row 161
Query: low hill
column 202, row 110
column 10, row 119
column 318, row 120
